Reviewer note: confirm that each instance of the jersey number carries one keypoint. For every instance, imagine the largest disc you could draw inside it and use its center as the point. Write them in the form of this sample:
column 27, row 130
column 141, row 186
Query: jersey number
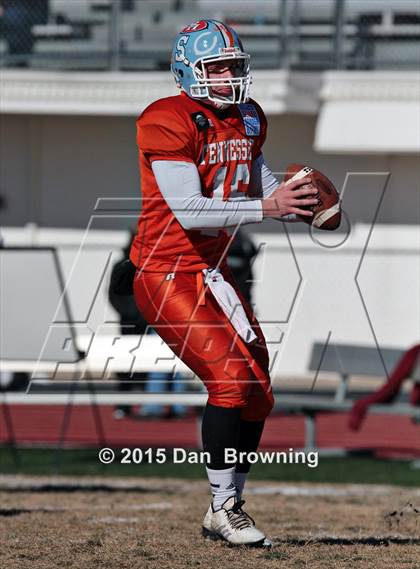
column 241, row 174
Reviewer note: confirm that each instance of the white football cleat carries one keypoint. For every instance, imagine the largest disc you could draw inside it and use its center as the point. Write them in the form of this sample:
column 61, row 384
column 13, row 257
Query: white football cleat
column 206, row 527
column 233, row 525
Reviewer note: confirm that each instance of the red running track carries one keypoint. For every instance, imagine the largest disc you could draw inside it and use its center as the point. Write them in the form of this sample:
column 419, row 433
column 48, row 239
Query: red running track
column 41, row 424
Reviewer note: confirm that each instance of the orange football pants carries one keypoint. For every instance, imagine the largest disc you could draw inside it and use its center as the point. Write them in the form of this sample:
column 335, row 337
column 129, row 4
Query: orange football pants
column 188, row 318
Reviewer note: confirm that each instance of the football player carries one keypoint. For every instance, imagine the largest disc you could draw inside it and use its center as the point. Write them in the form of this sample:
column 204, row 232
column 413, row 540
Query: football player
column 203, row 175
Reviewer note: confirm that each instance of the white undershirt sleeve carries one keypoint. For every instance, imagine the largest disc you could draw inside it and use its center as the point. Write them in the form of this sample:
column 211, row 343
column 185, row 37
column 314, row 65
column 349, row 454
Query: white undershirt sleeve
column 180, row 185
column 263, row 183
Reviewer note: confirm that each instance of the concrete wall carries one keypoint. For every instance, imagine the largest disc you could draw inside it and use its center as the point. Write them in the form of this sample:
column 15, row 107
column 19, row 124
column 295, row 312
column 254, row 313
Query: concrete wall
column 54, row 168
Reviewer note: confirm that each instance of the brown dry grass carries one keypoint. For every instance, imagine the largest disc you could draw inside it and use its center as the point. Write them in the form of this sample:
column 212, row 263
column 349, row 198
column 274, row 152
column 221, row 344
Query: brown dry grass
column 155, row 523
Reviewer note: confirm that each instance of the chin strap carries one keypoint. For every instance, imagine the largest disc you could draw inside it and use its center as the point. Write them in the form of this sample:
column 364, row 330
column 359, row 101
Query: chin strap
column 220, row 106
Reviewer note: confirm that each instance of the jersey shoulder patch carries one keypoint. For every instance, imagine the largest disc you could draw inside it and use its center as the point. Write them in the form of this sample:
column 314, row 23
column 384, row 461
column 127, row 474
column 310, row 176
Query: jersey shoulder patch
column 251, row 119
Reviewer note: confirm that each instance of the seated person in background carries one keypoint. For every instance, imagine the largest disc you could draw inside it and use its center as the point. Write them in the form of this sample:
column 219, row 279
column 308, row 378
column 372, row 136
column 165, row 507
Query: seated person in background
column 11, row 381
column 407, row 367
column 131, row 322
column 121, row 297
column 241, row 254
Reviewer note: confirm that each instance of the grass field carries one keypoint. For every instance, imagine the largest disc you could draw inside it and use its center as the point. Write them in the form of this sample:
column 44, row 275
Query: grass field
column 142, row 517
column 155, row 523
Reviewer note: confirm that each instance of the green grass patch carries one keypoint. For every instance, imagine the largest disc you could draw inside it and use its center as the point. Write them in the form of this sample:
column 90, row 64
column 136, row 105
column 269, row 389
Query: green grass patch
column 85, row 462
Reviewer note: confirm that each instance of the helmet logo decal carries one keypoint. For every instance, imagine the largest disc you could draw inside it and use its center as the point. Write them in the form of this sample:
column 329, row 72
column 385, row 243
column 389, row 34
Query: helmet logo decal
column 180, row 48
column 205, row 46
column 196, row 26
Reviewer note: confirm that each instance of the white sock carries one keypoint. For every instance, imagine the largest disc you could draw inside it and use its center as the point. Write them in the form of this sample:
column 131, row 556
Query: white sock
column 222, row 484
column 240, row 479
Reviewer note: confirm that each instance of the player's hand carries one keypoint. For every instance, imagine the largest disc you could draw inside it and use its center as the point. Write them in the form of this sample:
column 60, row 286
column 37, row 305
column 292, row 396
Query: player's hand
column 289, row 198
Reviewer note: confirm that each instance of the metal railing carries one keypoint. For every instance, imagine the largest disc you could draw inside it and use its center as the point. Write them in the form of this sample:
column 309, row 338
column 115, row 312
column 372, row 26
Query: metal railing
column 137, row 34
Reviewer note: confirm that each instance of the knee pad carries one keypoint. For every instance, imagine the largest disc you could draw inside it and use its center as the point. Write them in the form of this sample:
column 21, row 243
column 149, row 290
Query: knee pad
column 259, row 406
column 231, row 387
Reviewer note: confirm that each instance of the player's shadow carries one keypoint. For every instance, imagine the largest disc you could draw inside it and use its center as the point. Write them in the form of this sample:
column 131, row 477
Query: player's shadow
column 10, row 512
column 74, row 487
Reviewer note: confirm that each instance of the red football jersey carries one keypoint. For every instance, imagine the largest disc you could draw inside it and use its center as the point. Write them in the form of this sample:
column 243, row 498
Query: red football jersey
column 222, row 145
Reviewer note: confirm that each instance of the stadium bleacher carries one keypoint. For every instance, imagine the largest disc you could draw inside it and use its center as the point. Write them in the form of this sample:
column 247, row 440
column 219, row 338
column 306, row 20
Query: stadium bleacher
column 297, row 35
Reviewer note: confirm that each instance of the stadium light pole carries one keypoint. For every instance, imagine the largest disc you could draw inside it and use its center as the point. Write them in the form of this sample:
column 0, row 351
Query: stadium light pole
column 284, row 57
column 114, row 35
column 338, row 35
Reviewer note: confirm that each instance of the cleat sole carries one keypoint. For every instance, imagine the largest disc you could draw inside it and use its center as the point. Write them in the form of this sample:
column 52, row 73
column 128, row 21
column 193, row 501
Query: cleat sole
column 213, row 536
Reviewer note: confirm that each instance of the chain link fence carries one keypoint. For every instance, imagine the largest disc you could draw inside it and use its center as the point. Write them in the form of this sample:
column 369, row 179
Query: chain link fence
column 136, row 35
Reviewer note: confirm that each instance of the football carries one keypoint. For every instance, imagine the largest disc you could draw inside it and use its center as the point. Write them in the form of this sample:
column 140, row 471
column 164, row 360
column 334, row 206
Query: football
column 327, row 213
